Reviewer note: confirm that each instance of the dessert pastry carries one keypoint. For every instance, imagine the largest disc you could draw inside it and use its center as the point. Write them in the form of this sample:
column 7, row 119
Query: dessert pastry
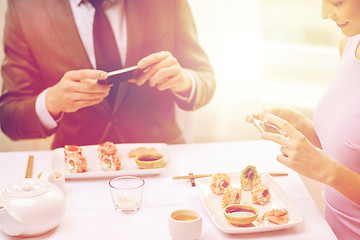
column 277, row 216
column 231, row 196
column 219, row 182
column 261, row 194
column 249, row 178
column 141, row 150
column 108, row 156
column 74, row 160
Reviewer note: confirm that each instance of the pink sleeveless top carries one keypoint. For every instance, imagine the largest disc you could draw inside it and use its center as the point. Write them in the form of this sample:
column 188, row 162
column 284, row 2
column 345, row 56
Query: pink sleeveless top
column 337, row 124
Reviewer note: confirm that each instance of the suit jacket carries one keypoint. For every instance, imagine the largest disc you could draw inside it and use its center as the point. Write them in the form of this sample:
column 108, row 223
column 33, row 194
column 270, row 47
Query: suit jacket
column 41, row 43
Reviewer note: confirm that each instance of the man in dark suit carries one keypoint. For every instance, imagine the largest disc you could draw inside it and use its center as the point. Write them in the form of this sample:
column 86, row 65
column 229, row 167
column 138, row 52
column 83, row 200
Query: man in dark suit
column 50, row 85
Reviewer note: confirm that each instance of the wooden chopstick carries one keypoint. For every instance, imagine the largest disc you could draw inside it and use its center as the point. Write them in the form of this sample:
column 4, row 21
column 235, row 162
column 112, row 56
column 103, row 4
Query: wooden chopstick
column 29, row 166
column 277, row 174
column 192, row 176
column 274, row 174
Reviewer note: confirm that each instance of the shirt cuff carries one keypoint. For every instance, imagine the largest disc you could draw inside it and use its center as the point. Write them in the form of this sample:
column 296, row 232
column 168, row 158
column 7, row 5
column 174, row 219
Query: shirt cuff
column 193, row 87
column 40, row 107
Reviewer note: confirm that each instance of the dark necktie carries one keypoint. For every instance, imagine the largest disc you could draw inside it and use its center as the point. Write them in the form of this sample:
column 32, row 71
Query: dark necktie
column 106, row 51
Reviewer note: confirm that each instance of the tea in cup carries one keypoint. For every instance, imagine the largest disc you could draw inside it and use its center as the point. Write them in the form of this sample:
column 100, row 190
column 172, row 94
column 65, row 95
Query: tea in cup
column 185, row 224
column 56, row 177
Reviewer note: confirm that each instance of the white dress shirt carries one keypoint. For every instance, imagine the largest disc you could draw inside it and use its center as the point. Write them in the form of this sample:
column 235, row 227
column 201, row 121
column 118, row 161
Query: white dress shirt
column 84, row 13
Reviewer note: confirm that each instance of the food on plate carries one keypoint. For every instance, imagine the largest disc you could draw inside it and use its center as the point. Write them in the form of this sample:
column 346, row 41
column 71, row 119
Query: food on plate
column 141, row 150
column 261, row 194
column 109, row 158
column 231, row 196
column 277, row 216
column 74, row 160
column 249, row 178
column 219, row 182
column 72, row 150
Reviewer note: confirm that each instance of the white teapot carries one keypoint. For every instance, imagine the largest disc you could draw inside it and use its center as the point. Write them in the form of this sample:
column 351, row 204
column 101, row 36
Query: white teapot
column 30, row 207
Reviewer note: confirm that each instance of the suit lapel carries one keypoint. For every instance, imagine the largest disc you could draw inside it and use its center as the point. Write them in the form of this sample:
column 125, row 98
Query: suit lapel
column 68, row 34
column 64, row 24
column 135, row 17
column 135, row 11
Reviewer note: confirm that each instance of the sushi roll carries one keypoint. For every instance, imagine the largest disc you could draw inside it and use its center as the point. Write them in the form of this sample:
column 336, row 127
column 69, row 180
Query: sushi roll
column 108, row 156
column 219, row 182
column 75, row 162
column 231, row 196
column 249, row 178
column 261, row 194
column 71, row 150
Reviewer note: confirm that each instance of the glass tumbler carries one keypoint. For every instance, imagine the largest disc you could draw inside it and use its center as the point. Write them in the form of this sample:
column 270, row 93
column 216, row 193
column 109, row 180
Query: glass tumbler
column 127, row 192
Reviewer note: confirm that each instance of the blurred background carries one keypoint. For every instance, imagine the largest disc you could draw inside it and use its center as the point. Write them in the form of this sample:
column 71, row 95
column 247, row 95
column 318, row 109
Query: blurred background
column 264, row 53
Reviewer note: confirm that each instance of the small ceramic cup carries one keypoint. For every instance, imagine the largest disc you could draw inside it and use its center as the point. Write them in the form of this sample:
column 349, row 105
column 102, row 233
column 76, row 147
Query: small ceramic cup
column 185, row 224
column 54, row 176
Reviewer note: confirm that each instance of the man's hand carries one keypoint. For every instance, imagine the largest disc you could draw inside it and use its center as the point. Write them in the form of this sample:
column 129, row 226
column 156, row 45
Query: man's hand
column 162, row 70
column 77, row 89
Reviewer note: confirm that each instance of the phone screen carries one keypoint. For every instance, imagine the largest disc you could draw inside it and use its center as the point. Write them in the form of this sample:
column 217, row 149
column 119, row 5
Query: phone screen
column 121, row 75
column 265, row 127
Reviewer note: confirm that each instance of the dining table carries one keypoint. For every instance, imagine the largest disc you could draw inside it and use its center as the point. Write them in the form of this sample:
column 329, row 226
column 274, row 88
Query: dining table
column 90, row 212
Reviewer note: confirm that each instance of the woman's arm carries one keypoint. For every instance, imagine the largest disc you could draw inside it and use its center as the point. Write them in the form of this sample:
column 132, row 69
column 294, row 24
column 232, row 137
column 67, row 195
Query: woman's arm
column 345, row 181
column 299, row 154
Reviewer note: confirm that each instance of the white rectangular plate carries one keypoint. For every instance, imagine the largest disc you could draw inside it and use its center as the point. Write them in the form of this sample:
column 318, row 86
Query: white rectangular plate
column 128, row 165
column 279, row 199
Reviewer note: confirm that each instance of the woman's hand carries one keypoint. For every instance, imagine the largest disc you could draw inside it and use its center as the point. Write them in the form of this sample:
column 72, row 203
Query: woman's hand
column 298, row 153
column 162, row 70
column 303, row 157
column 293, row 117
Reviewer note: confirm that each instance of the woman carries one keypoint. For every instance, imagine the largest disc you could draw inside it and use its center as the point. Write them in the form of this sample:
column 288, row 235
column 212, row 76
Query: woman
column 328, row 148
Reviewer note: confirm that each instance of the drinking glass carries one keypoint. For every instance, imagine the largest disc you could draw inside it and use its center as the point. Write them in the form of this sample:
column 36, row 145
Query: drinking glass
column 126, row 192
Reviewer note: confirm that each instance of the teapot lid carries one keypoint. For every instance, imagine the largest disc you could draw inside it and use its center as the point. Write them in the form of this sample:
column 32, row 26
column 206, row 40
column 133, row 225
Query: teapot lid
column 28, row 187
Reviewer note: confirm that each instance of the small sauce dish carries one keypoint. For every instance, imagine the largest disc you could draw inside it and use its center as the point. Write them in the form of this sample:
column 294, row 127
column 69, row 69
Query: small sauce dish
column 239, row 214
column 150, row 160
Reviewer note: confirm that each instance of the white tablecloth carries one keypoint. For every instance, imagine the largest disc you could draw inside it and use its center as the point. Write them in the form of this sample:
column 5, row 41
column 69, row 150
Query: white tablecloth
column 90, row 213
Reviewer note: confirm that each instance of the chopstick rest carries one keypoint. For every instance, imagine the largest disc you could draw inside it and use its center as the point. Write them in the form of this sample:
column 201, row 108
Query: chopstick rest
column 192, row 180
